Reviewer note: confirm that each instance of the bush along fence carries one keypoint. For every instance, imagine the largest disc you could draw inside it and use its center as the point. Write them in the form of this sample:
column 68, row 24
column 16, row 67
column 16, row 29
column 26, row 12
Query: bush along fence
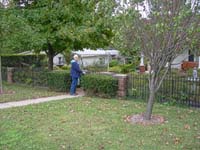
column 175, row 89
column 101, row 85
column 59, row 81
column 33, row 77
column 4, row 73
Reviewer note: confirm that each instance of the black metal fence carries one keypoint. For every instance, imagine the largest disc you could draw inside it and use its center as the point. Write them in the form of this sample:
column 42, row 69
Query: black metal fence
column 175, row 89
column 4, row 73
column 33, row 77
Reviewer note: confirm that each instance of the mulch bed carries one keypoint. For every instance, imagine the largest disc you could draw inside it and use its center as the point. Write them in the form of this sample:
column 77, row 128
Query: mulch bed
column 139, row 119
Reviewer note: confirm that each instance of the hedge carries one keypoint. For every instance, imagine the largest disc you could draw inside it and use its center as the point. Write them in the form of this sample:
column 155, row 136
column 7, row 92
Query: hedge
column 4, row 73
column 34, row 77
column 99, row 85
column 59, row 80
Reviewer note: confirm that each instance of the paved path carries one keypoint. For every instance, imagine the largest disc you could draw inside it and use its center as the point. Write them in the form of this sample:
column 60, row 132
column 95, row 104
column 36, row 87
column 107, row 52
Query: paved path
column 35, row 101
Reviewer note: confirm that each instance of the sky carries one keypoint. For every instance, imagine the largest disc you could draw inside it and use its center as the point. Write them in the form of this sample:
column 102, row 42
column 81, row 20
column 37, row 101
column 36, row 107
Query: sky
column 144, row 7
column 5, row 2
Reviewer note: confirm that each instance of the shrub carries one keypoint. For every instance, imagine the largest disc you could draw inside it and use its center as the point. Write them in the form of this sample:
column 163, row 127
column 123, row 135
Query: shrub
column 100, row 85
column 34, row 77
column 116, row 69
column 59, row 81
column 126, row 68
column 95, row 68
column 4, row 73
column 113, row 63
column 65, row 67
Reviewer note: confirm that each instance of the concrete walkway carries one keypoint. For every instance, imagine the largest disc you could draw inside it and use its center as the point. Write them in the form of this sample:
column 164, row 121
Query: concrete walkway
column 36, row 101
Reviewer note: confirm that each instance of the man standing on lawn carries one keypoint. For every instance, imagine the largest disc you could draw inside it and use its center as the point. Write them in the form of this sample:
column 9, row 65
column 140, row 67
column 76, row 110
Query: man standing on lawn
column 75, row 73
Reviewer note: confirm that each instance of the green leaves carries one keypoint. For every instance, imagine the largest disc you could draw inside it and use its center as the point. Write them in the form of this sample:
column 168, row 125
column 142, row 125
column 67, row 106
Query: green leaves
column 100, row 85
column 59, row 81
column 65, row 24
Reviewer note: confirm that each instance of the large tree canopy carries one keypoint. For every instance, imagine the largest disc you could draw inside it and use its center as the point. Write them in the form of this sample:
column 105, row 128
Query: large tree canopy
column 55, row 26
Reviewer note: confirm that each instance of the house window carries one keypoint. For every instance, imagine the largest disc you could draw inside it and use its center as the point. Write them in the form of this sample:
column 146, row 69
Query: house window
column 59, row 60
column 191, row 56
column 102, row 61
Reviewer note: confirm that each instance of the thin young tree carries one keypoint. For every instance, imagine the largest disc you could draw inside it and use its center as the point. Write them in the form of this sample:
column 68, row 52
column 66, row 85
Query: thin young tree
column 167, row 29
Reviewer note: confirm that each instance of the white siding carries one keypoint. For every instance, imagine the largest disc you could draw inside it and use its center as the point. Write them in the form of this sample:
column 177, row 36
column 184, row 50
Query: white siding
column 179, row 59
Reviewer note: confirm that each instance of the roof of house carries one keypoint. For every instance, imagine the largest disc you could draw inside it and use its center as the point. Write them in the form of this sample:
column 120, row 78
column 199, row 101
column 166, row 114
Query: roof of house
column 31, row 53
column 98, row 52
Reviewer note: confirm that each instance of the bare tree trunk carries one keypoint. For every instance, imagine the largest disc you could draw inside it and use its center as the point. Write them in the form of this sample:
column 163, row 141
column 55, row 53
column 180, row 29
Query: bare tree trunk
column 50, row 54
column 50, row 62
column 150, row 101
column 1, row 85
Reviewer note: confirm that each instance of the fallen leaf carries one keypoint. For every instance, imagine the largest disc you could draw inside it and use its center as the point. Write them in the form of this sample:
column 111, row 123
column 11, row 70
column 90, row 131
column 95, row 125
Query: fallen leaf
column 181, row 117
column 124, row 105
column 101, row 147
column 165, row 130
column 187, row 127
column 198, row 137
column 177, row 140
column 71, row 111
column 191, row 111
column 63, row 146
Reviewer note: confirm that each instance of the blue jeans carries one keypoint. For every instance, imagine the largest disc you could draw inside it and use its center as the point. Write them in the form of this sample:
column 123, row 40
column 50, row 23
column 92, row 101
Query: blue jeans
column 73, row 85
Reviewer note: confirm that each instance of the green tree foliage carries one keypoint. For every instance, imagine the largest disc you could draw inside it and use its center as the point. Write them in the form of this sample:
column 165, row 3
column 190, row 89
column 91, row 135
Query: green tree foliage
column 123, row 24
column 55, row 26
column 16, row 33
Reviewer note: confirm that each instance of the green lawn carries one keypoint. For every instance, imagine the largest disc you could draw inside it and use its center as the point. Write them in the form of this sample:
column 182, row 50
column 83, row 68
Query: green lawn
column 96, row 124
column 16, row 92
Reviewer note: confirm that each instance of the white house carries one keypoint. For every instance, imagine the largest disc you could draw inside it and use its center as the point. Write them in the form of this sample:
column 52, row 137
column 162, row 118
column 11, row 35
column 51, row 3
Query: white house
column 179, row 59
column 96, row 57
column 184, row 61
column 185, row 57
column 59, row 60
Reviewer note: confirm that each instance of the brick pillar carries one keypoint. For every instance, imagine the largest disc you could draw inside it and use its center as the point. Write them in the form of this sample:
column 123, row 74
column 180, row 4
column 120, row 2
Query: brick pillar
column 10, row 71
column 142, row 69
column 122, row 84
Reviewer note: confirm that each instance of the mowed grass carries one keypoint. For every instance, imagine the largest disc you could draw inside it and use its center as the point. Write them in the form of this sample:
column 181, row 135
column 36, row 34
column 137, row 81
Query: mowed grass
column 96, row 124
column 17, row 92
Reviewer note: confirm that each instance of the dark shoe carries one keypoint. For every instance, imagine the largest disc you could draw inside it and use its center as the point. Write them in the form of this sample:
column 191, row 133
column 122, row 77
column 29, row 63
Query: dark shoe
column 74, row 94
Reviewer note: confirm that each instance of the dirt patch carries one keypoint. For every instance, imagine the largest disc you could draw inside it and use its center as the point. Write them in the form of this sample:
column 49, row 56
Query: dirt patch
column 139, row 119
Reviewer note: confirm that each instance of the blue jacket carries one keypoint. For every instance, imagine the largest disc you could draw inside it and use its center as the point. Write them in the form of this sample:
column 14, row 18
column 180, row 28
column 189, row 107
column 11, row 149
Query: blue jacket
column 75, row 69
